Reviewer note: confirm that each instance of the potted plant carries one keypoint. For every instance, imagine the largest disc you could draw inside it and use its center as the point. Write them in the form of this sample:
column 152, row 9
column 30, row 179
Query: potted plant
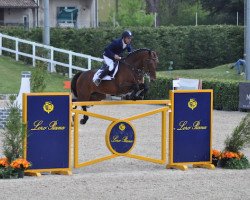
column 13, row 165
column 19, row 165
column 13, row 170
column 232, row 157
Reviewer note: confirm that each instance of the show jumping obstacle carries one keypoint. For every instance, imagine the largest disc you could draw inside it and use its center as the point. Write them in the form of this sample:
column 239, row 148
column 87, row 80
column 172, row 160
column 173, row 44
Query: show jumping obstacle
column 47, row 124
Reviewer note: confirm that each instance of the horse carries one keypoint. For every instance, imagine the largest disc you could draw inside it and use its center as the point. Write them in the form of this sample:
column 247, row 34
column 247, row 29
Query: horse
column 128, row 80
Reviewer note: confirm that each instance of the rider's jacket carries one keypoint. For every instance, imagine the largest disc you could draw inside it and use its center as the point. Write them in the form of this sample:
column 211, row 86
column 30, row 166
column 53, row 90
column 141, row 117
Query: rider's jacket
column 116, row 47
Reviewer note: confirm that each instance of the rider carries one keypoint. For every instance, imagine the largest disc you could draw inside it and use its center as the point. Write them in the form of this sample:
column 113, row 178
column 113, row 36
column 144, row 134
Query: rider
column 112, row 53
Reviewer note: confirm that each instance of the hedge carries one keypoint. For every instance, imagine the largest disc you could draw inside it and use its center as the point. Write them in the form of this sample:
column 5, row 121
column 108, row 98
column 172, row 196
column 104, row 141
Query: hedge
column 226, row 93
column 187, row 46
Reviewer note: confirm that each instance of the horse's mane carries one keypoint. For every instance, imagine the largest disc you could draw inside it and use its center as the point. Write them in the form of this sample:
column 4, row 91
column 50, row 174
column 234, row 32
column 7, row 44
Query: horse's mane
column 137, row 51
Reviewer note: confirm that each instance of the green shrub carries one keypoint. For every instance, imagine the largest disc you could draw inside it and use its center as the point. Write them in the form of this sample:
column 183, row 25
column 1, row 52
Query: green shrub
column 37, row 81
column 226, row 94
column 240, row 138
column 187, row 46
column 12, row 134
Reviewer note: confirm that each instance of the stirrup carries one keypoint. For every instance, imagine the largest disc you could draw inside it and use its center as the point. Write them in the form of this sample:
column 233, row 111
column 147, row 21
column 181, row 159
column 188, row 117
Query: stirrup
column 97, row 82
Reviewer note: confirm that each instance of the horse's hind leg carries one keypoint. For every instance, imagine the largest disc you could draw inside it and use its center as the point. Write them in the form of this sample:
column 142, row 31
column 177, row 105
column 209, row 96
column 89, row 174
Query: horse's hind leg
column 85, row 117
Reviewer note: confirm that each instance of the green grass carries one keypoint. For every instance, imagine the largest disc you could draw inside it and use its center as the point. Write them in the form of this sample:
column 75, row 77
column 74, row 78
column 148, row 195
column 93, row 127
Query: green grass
column 222, row 72
column 10, row 77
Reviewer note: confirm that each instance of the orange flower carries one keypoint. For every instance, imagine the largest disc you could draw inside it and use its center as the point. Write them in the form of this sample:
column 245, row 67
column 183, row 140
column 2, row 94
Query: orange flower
column 216, row 153
column 228, row 154
column 20, row 164
column 4, row 162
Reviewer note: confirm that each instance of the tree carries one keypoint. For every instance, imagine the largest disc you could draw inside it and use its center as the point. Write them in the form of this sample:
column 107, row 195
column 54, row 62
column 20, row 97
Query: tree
column 133, row 13
column 224, row 11
column 175, row 12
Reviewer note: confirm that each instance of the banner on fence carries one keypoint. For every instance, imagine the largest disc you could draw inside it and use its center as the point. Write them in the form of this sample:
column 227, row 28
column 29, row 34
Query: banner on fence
column 244, row 95
column 46, row 117
column 190, row 128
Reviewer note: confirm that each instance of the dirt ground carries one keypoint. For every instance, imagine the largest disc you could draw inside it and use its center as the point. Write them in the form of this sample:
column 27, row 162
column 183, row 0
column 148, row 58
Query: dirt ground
column 126, row 178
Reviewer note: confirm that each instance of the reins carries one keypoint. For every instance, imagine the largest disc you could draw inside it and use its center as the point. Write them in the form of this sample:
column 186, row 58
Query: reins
column 138, row 72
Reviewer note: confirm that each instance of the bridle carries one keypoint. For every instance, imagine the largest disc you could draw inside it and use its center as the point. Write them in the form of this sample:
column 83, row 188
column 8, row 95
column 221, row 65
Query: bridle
column 140, row 72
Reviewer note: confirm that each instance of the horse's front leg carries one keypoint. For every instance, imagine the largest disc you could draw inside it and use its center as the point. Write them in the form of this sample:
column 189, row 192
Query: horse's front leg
column 85, row 117
column 133, row 95
column 143, row 88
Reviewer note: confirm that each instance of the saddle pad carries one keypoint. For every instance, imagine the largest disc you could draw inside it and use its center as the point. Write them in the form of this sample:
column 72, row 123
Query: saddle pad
column 107, row 77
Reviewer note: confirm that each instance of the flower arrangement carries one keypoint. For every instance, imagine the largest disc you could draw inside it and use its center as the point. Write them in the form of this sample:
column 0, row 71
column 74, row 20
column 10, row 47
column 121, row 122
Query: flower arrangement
column 234, row 160
column 4, row 162
column 13, row 170
column 216, row 155
column 20, row 164
column 231, row 157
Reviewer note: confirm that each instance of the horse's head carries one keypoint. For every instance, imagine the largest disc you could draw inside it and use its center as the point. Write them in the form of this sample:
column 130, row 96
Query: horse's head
column 149, row 64
column 143, row 61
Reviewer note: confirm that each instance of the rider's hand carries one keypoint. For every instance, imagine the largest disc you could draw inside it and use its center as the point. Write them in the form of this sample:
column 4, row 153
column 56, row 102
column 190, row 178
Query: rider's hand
column 117, row 57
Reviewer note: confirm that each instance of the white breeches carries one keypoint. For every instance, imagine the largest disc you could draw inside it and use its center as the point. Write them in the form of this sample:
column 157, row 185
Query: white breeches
column 109, row 62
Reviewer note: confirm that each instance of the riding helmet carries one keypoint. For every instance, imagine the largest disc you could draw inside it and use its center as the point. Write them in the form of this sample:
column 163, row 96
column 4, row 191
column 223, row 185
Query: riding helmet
column 127, row 33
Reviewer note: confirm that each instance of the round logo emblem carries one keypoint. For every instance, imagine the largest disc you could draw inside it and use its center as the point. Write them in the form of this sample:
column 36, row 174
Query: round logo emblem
column 48, row 107
column 192, row 104
column 120, row 137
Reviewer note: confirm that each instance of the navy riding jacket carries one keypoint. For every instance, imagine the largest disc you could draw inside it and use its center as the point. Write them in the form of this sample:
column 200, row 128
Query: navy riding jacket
column 116, row 47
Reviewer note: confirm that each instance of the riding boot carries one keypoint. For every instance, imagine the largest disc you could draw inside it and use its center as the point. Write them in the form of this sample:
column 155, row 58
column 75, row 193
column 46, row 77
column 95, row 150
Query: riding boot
column 103, row 73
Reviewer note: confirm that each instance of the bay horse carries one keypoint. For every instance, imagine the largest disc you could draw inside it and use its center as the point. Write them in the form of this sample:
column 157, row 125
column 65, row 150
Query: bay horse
column 128, row 79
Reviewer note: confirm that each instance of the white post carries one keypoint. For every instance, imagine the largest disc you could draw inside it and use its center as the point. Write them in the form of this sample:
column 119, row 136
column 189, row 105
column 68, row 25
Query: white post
column 46, row 31
column 196, row 19
column 89, row 63
column 24, row 88
column 52, row 66
column 237, row 17
column 1, row 43
column 247, row 41
column 70, row 65
column 155, row 19
column 17, row 50
column 33, row 54
column 114, row 20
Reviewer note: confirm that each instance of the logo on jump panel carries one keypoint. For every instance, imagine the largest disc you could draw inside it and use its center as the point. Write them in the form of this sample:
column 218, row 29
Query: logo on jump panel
column 192, row 104
column 122, row 127
column 48, row 107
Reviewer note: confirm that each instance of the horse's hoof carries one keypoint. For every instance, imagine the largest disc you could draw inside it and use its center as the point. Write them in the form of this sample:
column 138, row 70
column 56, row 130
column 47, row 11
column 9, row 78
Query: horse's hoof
column 83, row 121
column 127, row 97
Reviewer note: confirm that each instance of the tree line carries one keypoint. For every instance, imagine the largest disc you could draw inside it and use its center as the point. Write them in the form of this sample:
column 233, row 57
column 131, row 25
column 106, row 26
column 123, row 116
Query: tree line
column 177, row 12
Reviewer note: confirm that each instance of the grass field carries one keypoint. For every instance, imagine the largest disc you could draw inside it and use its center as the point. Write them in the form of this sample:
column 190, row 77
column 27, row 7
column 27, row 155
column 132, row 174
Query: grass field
column 10, row 76
column 222, row 72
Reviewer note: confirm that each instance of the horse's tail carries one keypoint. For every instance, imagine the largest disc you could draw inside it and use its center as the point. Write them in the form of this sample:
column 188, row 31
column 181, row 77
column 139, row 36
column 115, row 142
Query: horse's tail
column 73, row 83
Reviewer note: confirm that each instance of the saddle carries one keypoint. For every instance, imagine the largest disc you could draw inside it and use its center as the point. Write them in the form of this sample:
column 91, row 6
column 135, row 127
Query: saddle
column 110, row 75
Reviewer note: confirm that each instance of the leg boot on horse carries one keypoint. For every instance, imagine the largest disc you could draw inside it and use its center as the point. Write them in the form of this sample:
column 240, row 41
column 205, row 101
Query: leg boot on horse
column 85, row 117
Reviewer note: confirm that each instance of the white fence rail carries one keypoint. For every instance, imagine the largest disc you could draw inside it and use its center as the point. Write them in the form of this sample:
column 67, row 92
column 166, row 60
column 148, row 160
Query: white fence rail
column 51, row 51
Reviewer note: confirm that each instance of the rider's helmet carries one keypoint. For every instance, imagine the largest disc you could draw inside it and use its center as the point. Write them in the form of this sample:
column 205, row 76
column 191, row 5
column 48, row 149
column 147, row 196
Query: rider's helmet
column 127, row 33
